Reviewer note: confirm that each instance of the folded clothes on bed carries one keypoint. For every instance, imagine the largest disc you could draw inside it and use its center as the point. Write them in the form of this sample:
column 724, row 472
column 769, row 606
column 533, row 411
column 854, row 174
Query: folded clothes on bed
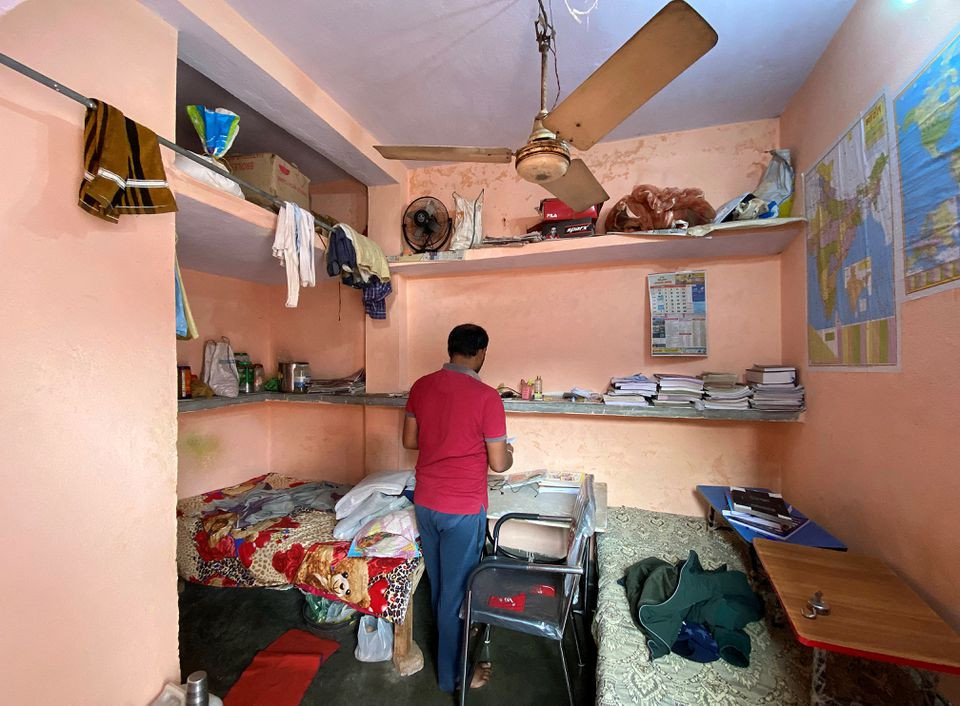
column 265, row 503
column 371, row 507
column 386, row 482
column 391, row 535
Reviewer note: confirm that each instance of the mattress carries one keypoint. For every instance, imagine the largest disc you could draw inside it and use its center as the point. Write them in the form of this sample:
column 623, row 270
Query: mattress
column 779, row 671
column 297, row 549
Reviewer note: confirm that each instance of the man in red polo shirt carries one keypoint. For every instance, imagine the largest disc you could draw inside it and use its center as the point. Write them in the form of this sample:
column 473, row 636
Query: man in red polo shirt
column 459, row 426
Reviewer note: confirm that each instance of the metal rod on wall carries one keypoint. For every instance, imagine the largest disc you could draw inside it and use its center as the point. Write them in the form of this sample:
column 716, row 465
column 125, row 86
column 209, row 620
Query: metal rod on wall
column 86, row 102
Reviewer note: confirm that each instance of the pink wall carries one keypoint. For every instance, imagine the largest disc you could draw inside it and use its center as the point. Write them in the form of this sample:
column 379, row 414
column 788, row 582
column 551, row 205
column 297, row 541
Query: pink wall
column 876, row 460
column 87, row 419
column 220, row 447
column 723, row 161
column 581, row 326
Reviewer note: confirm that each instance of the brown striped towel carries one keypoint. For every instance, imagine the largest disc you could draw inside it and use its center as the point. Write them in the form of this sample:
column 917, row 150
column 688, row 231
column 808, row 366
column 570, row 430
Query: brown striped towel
column 123, row 172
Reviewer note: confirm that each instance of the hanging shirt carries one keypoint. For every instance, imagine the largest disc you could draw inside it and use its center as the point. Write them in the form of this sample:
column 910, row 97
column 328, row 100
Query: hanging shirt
column 456, row 414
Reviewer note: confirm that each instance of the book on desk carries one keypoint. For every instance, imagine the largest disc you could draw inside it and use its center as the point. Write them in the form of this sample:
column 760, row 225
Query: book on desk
column 763, row 512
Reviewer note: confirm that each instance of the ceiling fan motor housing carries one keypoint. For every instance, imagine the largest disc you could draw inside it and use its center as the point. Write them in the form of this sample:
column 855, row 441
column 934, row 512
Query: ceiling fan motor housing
column 542, row 161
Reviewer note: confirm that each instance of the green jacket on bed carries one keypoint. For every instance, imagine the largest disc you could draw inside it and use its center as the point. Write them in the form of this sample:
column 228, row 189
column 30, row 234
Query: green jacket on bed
column 663, row 595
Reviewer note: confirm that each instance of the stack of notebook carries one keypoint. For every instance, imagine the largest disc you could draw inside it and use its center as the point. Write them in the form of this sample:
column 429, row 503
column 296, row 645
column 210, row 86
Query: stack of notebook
column 762, row 511
column 678, row 390
column 721, row 391
column 632, row 391
column 775, row 388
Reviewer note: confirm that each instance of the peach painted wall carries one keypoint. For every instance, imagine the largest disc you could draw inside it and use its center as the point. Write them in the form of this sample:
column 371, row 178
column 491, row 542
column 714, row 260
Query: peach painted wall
column 226, row 446
column 581, row 326
column 88, row 606
column 344, row 200
column 724, row 161
column 876, row 460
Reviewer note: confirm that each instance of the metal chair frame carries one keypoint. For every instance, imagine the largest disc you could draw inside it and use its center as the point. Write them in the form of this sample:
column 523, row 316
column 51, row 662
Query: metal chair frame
column 513, row 564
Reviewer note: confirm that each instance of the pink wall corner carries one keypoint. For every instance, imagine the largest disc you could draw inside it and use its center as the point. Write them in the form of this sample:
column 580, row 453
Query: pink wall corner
column 581, row 327
column 317, row 442
column 220, row 447
column 724, row 161
column 344, row 200
column 88, row 431
column 224, row 306
column 326, row 329
column 875, row 460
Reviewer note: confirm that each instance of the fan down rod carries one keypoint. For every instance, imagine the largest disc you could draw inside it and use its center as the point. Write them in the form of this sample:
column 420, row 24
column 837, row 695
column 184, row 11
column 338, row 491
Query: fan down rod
column 86, row 102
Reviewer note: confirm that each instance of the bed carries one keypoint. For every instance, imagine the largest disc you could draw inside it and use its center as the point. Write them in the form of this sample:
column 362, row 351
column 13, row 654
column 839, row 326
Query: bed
column 779, row 671
column 298, row 550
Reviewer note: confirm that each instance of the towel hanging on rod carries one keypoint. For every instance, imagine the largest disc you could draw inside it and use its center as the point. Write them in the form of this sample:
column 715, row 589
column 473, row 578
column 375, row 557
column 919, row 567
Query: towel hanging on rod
column 40, row 78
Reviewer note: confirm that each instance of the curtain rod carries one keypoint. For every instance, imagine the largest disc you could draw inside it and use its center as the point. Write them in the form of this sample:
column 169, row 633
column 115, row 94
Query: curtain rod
column 86, row 102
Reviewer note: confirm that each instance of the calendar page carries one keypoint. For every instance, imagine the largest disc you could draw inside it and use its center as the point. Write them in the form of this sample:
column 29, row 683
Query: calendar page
column 678, row 313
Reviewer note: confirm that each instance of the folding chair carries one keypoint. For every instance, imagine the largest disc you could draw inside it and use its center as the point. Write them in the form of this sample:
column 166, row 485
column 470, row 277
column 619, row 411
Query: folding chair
column 549, row 589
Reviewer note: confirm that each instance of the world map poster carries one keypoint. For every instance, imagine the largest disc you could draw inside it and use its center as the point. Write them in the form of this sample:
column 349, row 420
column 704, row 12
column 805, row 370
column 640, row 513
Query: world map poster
column 851, row 290
column 928, row 138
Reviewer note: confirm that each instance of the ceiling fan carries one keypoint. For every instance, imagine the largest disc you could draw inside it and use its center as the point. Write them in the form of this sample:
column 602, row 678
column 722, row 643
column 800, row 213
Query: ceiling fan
column 659, row 52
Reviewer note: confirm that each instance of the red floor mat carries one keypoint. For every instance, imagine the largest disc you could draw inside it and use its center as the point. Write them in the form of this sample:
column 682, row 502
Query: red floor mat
column 280, row 674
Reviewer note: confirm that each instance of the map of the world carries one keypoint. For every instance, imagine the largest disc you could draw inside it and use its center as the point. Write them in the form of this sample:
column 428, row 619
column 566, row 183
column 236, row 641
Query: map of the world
column 928, row 137
column 851, row 293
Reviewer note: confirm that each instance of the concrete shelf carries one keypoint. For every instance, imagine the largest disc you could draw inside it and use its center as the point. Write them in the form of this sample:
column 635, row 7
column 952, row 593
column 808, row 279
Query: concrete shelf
column 223, row 234
column 726, row 240
column 511, row 406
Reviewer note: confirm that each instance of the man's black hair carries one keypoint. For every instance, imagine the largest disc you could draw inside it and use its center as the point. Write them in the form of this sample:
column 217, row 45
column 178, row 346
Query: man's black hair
column 467, row 340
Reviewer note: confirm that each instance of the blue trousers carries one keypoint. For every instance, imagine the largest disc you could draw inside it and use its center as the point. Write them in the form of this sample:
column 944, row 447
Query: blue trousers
column 452, row 545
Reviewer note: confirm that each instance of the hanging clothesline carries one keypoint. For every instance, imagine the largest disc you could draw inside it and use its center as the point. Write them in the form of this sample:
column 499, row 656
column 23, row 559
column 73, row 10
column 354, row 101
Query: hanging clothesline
column 83, row 100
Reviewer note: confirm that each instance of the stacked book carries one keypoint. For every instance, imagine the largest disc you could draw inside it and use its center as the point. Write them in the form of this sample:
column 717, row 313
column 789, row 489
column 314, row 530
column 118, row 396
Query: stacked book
column 775, row 388
column 632, row 391
column 763, row 512
column 678, row 390
column 721, row 391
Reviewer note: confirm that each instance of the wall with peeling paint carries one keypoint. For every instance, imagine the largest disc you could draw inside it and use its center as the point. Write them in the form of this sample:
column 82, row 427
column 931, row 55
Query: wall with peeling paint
column 581, row 326
column 724, row 161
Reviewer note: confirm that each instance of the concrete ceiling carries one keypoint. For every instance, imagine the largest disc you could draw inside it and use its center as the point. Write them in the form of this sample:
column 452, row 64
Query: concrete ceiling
column 467, row 73
column 256, row 133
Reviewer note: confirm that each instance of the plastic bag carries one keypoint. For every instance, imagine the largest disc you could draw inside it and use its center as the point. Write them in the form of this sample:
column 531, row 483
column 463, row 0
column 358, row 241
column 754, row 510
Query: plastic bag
column 324, row 611
column 393, row 535
column 374, row 640
column 220, row 368
column 373, row 506
column 387, row 482
column 467, row 222
column 776, row 186
column 217, row 130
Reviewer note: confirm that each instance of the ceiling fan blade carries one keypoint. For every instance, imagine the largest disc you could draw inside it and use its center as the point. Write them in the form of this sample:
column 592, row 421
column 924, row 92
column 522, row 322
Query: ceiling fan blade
column 660, row 51
column 437, row 153
column 578, row 188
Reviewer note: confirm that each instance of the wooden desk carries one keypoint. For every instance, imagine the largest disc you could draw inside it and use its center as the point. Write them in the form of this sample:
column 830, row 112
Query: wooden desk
column 873, row 612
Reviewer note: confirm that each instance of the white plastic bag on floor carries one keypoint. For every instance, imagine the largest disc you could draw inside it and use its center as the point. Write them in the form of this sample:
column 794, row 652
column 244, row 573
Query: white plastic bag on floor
column 374, row 640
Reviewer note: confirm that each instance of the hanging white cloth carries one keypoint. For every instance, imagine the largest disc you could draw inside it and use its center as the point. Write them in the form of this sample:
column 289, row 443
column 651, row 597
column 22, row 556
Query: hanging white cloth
column 293, row 245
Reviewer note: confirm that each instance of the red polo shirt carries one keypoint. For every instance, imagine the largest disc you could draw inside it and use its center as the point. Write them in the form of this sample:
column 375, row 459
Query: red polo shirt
column 456, row 413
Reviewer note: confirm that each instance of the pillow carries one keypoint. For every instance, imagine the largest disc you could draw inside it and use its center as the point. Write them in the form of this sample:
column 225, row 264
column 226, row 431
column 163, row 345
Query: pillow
column 393, row 535
column 374, row 505
column 386, row 482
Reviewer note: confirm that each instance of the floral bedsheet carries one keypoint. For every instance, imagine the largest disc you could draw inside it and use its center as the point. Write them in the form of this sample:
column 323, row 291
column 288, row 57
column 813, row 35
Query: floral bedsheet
column 294, row 550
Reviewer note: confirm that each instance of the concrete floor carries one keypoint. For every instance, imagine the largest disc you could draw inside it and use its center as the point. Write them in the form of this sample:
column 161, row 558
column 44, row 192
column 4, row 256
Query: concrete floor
column 221, row 629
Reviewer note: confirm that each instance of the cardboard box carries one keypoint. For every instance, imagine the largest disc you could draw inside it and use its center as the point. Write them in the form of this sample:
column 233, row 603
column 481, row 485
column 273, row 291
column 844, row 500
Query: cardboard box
column 557, row 210
column 579, row 228
column 273, row 174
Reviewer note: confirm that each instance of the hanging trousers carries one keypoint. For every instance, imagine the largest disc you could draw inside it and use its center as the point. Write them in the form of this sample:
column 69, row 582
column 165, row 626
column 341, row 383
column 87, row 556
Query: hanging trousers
column 452, row 545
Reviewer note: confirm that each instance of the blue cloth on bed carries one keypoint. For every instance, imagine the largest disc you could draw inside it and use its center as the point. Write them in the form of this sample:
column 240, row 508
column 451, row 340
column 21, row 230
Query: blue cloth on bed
column 267, row 503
